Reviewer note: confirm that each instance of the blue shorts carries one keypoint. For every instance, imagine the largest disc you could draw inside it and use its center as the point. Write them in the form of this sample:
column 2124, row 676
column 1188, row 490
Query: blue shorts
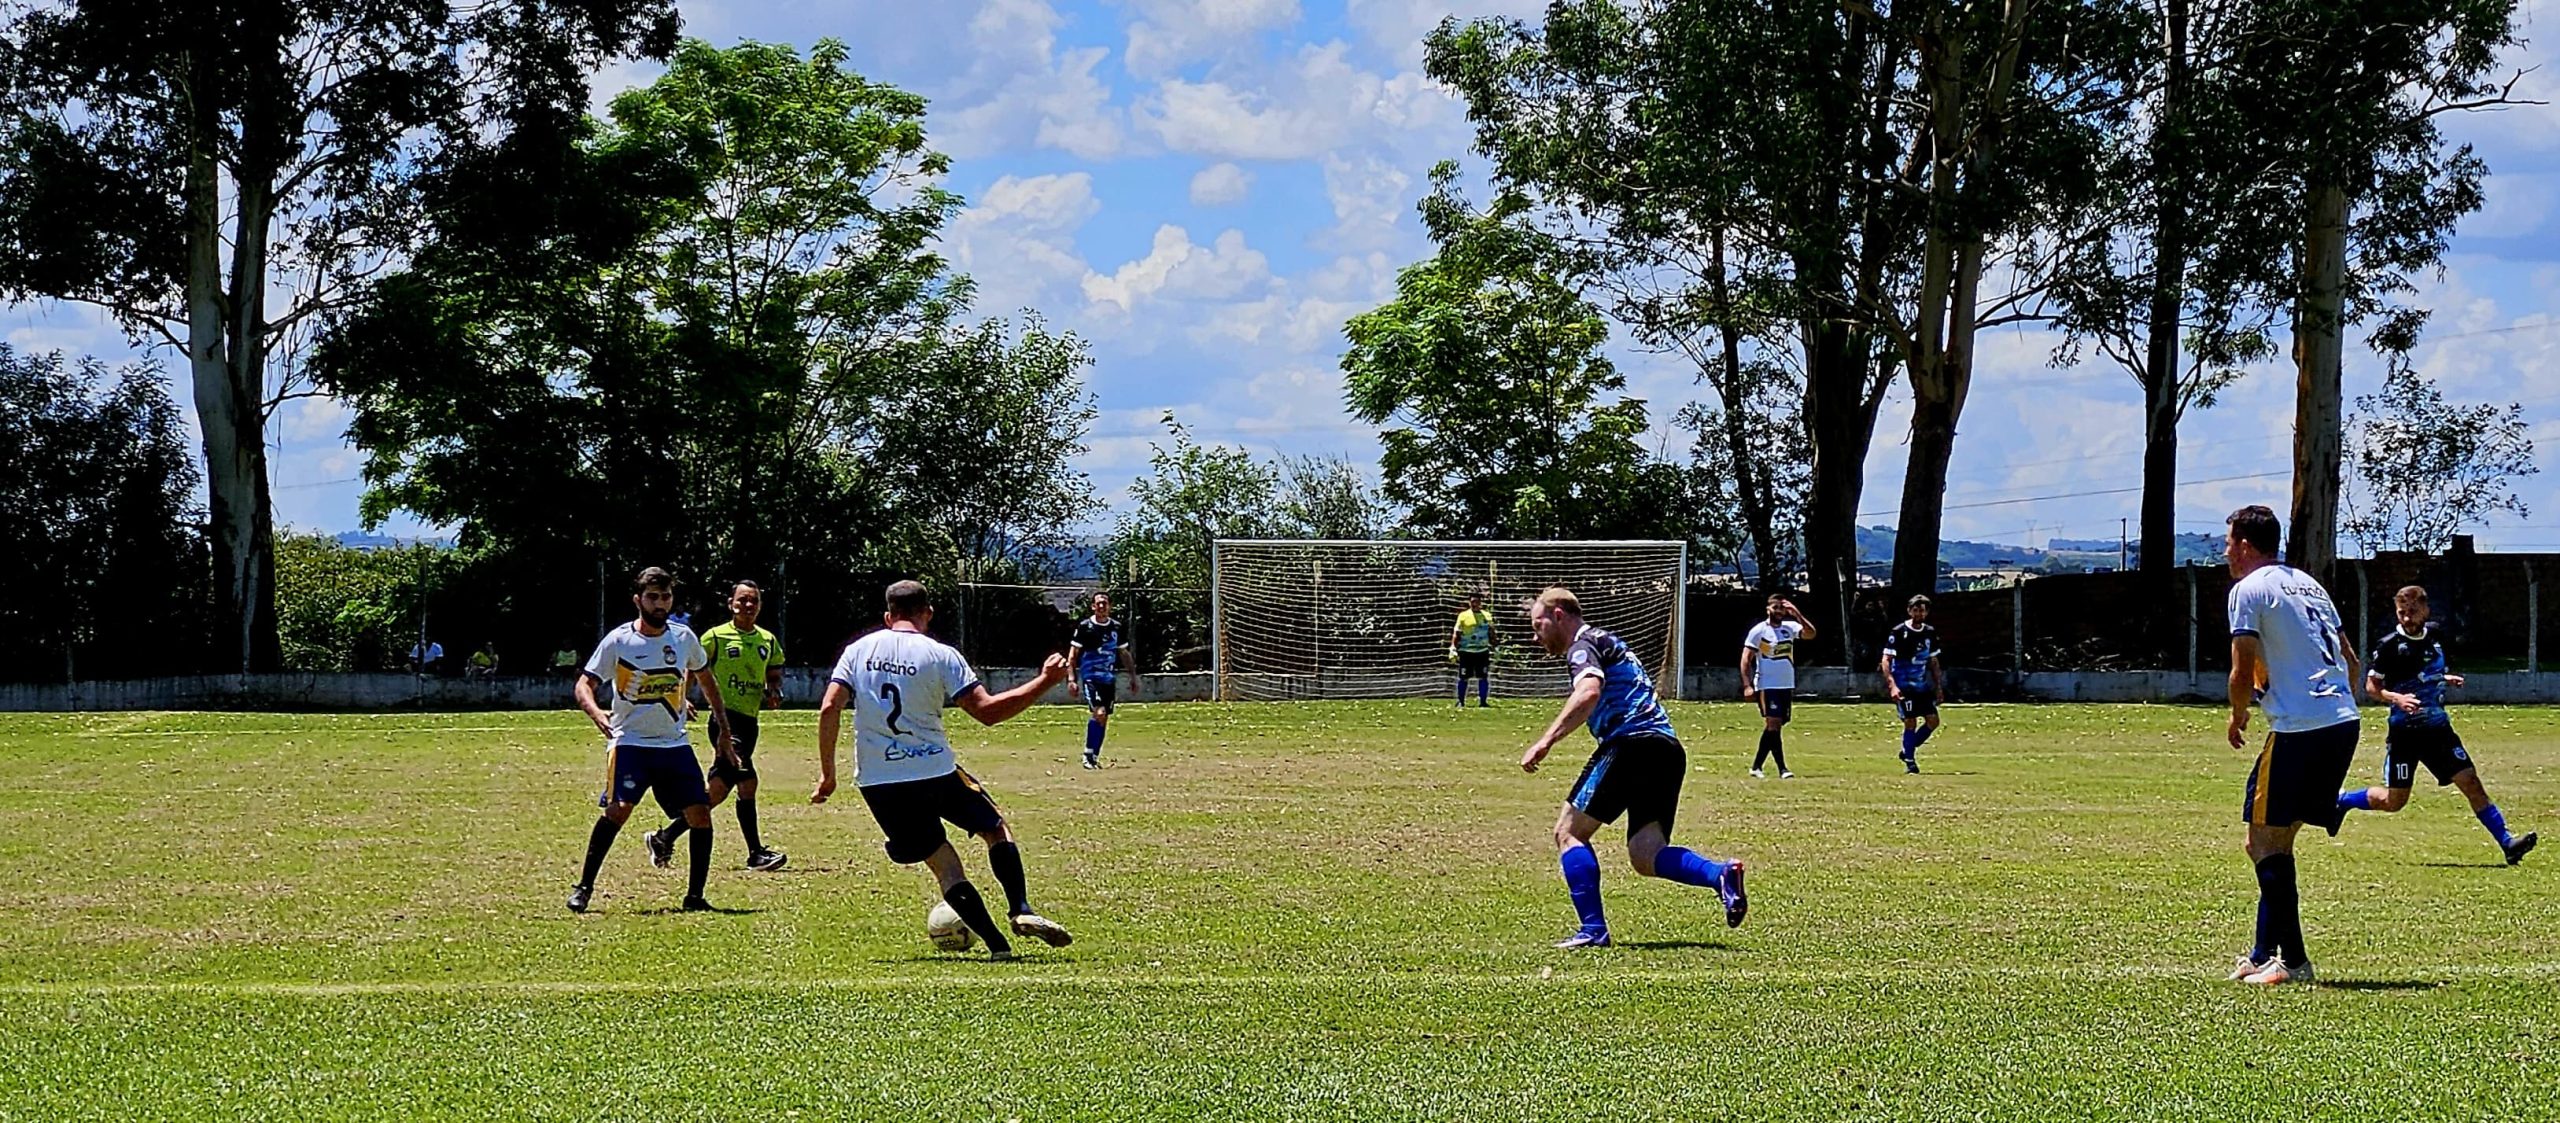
column 1101, row 692
column 673, row 772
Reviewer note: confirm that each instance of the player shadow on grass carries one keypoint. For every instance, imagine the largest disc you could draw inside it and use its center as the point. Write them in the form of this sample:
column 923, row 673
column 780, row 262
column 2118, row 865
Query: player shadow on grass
column 2464, row 865
column 977, row 956
column 2380, row 984
column 716, row 910
column 1673, row 945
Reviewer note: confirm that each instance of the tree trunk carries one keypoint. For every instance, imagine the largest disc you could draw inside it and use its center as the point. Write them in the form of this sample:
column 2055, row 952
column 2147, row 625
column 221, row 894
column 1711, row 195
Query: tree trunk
column 2163, row 355
column 230, row 414
column 1834, row 388
column 1750, row 484
column 2318, row 356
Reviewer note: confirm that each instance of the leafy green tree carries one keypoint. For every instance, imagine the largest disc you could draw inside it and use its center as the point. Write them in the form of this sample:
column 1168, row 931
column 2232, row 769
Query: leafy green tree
column 344, row 609
column 184, row 164
column 1190, row 496
column 721, row 340
column 1488, row 367
column 2344, row 99
column 2425, row 469
column 101, row 544
column 1329, row 497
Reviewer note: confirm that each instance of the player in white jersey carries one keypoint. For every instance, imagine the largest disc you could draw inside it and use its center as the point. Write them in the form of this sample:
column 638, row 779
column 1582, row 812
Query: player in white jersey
column 1769, row 677
column 648, row 664
column 2291, row 657
column 898, row 680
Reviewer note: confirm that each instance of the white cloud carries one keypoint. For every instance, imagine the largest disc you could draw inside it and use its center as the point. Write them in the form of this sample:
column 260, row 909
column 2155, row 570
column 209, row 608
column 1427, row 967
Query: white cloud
column 1370, row 198
column 1171, row 33
column 1017, row 240
column 315, row 419
column 1220, row 184
column 1178, row 269
column 1022, row 89
column 1315, row 103
column 1397, row 27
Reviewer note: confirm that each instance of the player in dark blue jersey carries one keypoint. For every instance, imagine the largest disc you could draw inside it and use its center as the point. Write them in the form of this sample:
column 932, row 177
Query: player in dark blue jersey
column 1096, row 653
column 2408, row 674
column 1636, row 771
column 1913, row 679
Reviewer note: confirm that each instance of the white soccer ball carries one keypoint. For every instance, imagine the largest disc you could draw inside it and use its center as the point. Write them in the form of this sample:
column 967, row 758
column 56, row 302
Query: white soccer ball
column 944, row 927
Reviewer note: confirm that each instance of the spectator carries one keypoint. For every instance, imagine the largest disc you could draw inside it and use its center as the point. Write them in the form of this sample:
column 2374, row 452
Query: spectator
column 425, row 655
column 564, row 662
column 484, row 662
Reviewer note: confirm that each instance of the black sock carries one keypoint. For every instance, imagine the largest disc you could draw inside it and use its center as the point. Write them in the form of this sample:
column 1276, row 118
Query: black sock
column 2284, row 908
column 1006, row 859
column 1778, row 749
column 1768, row 737
column 674, row 830
column 701, row 860
column 972, row 908
column 599, row 840
column 747, row 825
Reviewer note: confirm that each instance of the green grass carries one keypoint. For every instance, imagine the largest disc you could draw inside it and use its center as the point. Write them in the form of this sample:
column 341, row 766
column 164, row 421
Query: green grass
column 1312, row 911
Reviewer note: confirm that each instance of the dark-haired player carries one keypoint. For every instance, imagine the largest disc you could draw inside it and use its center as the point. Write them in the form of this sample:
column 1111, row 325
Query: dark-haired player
column 1096, row 653
column 1913, row 679
column 2408, row 674
column 746, row 660
column 648, row 663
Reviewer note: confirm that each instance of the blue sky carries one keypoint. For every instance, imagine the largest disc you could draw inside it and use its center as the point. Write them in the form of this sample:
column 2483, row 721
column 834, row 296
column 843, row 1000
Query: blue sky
column 1207, row 189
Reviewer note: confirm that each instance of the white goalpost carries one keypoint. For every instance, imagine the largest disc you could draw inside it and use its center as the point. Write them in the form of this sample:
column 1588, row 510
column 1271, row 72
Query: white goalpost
column 1371, row 618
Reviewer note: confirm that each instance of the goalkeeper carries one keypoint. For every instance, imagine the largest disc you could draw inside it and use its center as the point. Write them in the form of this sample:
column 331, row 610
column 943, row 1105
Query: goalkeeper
column 1471, row 648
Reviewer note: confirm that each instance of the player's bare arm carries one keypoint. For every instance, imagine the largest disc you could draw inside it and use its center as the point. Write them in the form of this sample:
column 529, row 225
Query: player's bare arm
column 990, row 709
column 709, row 684
column 2248, row 661
column 585, row 691
column 773, row 688
column 1938, row 680
column 1884, row 666
column 1129, row 659
column 1577, row 709
column 830, row 726
column 1804, row 627
column 1750, row 663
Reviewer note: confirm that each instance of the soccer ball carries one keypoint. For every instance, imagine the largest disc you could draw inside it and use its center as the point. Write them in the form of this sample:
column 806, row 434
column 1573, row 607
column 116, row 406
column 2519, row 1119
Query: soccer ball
column 944, row 927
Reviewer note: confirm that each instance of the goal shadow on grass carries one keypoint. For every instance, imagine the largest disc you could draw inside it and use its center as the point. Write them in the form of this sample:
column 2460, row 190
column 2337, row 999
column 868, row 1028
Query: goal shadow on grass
column 2381, row 984
column 2464, row 865
column 715, row 910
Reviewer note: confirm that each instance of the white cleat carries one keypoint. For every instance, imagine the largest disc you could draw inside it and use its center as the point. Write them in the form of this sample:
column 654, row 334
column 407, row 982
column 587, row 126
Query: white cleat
column 2276, row 973
column 1756, row 774
column 1041, row 928
column 2242, row 967
column 1786, row 775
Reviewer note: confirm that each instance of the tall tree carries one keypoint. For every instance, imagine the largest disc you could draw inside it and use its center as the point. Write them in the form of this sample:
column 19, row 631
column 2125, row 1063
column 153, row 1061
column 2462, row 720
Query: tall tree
column 2346, row 98
column 1487, row 367
column 1329, row 497
column 2425, row 469
column 180, row 164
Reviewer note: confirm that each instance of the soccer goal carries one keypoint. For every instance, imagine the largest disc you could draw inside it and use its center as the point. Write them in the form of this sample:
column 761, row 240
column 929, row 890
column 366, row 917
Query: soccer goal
column 1371, row 619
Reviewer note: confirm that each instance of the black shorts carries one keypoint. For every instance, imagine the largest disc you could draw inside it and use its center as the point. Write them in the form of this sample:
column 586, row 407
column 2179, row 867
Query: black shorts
column 2406, row 747
column 1779, row 703
column 1101, row 692
column 2297, row 777
column 1478, row 664
column 671, row 771
column 1918, row 703
column 742, row 737
column 912, row 812
column 1637, row 776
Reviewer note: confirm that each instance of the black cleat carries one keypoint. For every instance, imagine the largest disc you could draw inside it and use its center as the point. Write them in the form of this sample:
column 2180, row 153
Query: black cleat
column 2522, row 847
column 662, row 850
column 766, row 861
column 578, row 897
column 696, row 904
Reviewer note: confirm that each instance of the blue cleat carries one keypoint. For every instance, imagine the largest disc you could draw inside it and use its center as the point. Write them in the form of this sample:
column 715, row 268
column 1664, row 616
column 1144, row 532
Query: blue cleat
column 1735, row 904
column 1587, row 938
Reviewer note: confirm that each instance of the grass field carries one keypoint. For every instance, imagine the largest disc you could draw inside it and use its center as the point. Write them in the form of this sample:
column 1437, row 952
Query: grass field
column 1311, row 911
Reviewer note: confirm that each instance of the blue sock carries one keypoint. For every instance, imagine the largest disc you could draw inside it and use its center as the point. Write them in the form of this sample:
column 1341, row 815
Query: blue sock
column 1925, row 731
column 2496, row 823
column 1582, row 880
column 1484, row 683
column 1092, row 736
column 1462, row 688
column 1911, row 740
column 2360, row 799
column 1688, row 867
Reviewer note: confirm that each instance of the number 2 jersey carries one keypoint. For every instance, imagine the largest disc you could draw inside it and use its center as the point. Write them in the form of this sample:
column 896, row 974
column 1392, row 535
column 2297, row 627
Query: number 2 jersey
column 2297, row 628
column 901, row 681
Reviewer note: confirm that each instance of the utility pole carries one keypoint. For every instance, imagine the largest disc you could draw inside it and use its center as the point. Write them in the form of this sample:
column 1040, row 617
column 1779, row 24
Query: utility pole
column 2122, row 551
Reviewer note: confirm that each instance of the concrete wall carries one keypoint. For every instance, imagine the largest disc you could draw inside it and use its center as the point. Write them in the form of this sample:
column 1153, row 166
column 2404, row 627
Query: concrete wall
column 802, row 686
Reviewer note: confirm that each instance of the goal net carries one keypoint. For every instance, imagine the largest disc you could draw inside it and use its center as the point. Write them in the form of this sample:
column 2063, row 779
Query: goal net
column 1371, row 619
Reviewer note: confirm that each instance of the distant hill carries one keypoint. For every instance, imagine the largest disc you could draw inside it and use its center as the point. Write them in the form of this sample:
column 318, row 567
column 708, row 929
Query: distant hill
column 359, row 540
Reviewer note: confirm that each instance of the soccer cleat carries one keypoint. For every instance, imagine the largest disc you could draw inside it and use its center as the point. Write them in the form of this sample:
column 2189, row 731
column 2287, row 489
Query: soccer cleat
column 1586, row 938
column 2276, row 972
column 1041, row 928
column 1092, row 761
column 1001, row 955
column 696, row 904
column 661, row 850
column 1756, row 775
column 2243, row 967
column 766, row 861
column 1783, row 774
column 2521, row 847
column 1730, row 888
column 579, row 895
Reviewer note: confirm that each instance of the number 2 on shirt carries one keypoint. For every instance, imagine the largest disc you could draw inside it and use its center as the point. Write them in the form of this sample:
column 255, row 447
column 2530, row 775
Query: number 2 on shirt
column 897, row 706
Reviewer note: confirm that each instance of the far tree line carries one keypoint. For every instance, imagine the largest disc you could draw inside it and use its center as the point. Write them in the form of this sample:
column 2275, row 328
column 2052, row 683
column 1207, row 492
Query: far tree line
column 709, row 327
